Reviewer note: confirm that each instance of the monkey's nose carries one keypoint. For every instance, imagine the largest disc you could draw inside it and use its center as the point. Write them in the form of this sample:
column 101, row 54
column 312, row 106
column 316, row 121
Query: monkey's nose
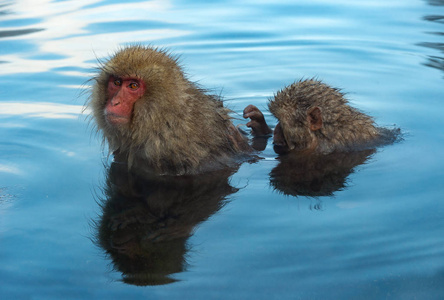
column 280, row 146
column 279, row 141
column 115, row 102
column 280, row 149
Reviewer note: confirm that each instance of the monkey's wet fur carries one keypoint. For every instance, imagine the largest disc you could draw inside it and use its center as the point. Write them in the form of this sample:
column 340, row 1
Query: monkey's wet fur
column 153, row 117
column 314, row 117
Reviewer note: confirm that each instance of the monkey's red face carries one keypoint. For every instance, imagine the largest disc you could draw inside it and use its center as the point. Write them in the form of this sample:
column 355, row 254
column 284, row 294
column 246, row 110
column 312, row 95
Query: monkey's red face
column 122, row 93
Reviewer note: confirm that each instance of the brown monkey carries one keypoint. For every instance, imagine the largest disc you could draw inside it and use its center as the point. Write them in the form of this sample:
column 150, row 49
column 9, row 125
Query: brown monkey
column 314, row 117
column 152, row 116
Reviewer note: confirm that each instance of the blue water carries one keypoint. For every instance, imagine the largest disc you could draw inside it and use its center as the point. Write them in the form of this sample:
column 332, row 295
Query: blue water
column 377, row 234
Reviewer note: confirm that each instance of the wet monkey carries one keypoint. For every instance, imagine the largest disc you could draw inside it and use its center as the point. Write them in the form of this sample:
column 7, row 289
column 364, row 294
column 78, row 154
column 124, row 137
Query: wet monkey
column 314, row 117
column 151, row 115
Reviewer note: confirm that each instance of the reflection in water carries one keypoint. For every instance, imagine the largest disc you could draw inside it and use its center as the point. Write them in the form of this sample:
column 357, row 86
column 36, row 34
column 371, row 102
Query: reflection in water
column 4, row 10
column 315, row 175
column 436, row 2
column 86, row 33
column 5, row 197
column 301, row 173
column 436, row 62
column 40, row 110
column 9, row 33
column 147, row 220
column 259, row 143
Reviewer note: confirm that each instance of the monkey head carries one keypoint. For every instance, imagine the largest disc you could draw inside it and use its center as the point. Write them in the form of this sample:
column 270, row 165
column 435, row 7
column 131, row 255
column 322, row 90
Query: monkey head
column 149, row 112
column 316, row 117
column 133, row 81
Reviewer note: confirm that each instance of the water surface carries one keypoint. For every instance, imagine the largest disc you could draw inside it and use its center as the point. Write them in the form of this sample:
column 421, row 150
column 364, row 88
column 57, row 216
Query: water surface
column 374, row 230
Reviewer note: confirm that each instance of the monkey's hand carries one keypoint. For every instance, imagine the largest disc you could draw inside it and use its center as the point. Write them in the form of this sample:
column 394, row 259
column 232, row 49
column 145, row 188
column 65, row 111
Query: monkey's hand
column 257, row 121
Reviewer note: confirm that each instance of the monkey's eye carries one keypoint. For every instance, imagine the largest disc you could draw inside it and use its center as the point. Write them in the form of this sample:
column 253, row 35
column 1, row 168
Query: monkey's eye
column 133, row 85
column 118, row 82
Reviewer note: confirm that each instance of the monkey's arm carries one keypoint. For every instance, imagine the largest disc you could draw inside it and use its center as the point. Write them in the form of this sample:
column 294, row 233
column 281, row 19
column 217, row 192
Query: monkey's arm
column 257, row 124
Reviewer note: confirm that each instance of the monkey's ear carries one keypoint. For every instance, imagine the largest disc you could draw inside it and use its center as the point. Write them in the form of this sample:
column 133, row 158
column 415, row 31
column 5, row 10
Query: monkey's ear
column 314, row 118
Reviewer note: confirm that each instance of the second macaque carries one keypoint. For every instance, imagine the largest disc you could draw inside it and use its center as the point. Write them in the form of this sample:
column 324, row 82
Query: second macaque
column 314, row 117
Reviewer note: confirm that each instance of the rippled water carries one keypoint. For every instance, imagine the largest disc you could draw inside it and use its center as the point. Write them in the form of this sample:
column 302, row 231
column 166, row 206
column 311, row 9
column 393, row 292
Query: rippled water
column 374, row 231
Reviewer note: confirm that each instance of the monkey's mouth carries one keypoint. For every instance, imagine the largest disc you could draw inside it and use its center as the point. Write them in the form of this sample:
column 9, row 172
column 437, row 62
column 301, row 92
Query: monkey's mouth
column 115, row 119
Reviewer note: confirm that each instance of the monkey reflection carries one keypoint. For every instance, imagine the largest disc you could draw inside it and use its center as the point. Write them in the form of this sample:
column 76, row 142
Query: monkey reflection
column 147, row 220
column 315, row 175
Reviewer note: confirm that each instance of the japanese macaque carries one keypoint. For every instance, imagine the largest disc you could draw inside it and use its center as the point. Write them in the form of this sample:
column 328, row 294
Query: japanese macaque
column 151, row 115
column 314, row 117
